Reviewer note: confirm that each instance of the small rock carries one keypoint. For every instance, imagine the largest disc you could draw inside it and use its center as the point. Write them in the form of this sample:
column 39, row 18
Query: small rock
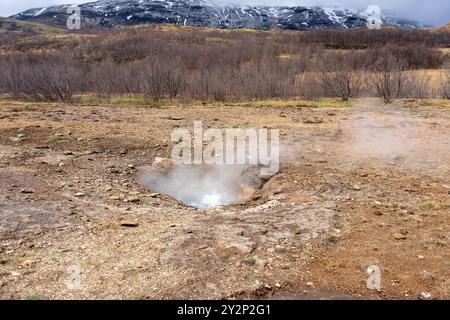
column 425, row 296
column 377, row 213
column 114, row 170
column 420, row 257
column 27, row 263
column 313, row 121
column 129, row 224
column 278, row 285
column 163, row 165
column 427, row 275
column 133, row 199
column 249, row 261
column 154, row 195
column 399, row 236
column 79, row 194
column 176, row 118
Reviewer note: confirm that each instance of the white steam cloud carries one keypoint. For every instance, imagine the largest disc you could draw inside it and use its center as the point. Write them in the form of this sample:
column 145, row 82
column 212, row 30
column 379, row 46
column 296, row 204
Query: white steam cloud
column 200, row 186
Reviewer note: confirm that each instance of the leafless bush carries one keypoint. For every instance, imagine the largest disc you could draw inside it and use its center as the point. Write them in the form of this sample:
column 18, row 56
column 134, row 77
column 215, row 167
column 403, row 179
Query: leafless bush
column 160, row 80
column 446, row 86
column 308, row 86
column 361, row 38
column 338, row 77
column 387, row 78
column 41, row 78
column 419, row 85
column 219, row 65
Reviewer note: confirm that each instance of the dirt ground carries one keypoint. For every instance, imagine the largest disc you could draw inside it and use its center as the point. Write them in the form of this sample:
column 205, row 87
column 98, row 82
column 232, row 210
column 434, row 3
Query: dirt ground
column 359, row 185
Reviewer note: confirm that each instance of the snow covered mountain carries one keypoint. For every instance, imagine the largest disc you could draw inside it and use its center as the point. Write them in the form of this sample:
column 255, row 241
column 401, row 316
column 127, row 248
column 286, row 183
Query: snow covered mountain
column 113, row 13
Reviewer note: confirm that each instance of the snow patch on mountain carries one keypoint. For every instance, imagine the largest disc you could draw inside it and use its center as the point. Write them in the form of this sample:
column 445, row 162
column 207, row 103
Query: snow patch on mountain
column 114, row 13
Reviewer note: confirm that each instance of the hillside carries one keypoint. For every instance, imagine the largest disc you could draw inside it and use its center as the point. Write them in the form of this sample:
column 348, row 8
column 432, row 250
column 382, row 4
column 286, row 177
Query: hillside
column 202, row 13
column 8, row 26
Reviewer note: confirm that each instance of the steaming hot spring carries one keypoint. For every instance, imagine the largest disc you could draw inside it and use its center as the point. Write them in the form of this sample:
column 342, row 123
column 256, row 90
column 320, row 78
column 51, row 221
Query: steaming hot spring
column 202, row 186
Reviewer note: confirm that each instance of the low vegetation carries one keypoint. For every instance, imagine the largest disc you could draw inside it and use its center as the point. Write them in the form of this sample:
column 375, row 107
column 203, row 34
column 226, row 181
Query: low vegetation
column 222, row 65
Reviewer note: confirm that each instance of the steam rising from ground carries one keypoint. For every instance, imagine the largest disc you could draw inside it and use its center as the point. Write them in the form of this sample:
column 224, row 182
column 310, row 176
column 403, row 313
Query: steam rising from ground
column 396, row 134
column 388, row 139
column 200, row 186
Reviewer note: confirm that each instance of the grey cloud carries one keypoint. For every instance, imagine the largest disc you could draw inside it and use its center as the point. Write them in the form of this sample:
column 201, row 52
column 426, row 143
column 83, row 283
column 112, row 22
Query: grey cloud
column 432, row 12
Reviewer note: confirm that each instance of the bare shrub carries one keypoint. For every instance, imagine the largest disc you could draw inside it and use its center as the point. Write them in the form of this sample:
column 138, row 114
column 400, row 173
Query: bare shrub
column 338, row 77
column 387, row 78
column 174, row 82
column 163, row 63
column 418, row 85
column 47, row 78
column 308, row 86
column 426, row 84
column 446, row 86
column 361, row 38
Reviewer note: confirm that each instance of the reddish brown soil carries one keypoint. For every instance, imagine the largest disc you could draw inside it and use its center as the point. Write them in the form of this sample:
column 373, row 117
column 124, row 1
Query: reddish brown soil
column 357, row 186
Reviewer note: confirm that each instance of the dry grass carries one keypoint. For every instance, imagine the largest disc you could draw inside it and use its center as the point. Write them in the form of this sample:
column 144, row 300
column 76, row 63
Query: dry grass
column 18, row 25
column 140, row 101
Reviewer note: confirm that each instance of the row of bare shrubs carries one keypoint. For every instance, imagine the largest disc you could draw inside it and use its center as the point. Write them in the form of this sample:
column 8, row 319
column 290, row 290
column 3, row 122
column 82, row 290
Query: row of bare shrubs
column 39, row 77
column 388, row 78
column 361, row 38
column 221, row 66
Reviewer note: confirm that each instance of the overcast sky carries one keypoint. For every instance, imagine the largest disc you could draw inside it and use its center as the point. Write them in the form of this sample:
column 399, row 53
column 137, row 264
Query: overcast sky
column 433, row 12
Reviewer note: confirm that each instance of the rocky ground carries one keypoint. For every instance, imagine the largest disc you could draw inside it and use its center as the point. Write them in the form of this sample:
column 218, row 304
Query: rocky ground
column 359, row 185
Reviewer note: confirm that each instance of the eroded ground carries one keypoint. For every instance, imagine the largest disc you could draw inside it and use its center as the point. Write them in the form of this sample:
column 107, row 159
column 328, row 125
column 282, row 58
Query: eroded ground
column 359, row 185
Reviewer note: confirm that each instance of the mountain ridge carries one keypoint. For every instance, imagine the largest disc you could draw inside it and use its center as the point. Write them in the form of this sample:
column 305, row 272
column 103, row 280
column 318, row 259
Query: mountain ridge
column 202, row 13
